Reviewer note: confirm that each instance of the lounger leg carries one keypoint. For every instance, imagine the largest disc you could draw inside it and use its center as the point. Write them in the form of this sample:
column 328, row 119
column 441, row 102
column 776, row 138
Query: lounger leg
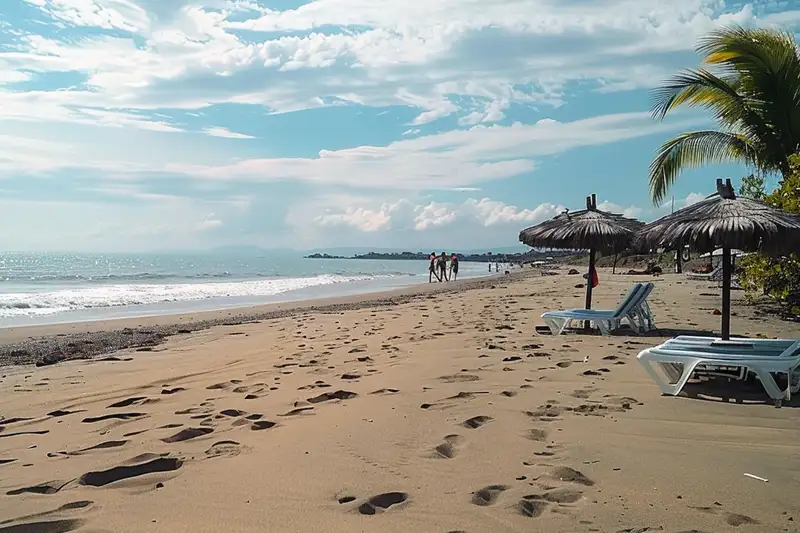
column 667, row 388
column 648, row 313
column 556, row 325
column 772, row 389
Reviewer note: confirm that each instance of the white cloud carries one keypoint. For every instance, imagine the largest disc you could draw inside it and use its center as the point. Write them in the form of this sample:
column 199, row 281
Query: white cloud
column 405, row 215
column 693, row 198
column 448, row 56
column 107, row 14
column 459, row 158
column 216, row 131
column 631, row 211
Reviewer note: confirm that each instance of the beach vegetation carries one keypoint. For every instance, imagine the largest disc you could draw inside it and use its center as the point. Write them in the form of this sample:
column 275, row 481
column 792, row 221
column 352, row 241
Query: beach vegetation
column 750, row 82
column 753, row 186
column 777, row 277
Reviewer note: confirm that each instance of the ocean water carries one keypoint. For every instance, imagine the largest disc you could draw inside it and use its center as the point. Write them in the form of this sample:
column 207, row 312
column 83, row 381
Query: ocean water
column 42, row 288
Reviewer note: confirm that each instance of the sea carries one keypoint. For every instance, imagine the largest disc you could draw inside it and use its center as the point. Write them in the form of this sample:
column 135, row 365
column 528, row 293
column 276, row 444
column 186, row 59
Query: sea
column 49, row 288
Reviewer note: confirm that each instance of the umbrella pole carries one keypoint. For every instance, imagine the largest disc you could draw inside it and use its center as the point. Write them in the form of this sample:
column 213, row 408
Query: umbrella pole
column 589, row 278
column 726, row 294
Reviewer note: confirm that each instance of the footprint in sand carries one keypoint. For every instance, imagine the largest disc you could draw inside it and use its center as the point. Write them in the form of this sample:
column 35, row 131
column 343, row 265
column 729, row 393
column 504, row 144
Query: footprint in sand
column 102, row 446
column 538, row 435
column 459, row 378
column 24, row 524
column 382, row 502
column 328, row 396
column 531, row 508
column 188, row 434
column 232, row 412
column 450, row 447
column 488, row 495
column 49, row 526
column 114, row 416
column 136, row 400
column 546, row 413
column 570, row 475
column 259, row 425
column 138, row 466
column 476, row 421
column 48, row 487
column 465, row 395
column 385, row 391
column 18, row 433
column 224, row 448
column 297, row 411
column 561, row 496
column 62, row 412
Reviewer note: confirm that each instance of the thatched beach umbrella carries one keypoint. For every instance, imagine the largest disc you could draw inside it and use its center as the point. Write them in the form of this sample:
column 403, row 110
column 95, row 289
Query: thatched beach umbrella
column 725, row 221
column 589, row 229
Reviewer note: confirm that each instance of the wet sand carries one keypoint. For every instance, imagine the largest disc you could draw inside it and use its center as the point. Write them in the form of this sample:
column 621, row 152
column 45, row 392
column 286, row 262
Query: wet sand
column 430, row 412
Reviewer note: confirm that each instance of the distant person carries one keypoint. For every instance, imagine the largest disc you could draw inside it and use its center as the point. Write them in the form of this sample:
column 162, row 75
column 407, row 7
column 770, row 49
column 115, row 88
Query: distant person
column 496, row 266
column 432, row 269
column 442, row 264
column 453, row 267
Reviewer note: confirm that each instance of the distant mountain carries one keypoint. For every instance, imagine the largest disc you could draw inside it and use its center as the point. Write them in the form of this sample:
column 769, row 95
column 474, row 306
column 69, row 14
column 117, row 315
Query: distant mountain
column 527, row 257
column 350, row 251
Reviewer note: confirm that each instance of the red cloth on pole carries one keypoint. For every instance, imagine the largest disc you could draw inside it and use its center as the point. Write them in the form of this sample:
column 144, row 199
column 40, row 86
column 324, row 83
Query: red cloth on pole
column 595, row 279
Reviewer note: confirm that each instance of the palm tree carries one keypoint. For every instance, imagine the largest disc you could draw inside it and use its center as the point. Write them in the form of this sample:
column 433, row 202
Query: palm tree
column 752, row 87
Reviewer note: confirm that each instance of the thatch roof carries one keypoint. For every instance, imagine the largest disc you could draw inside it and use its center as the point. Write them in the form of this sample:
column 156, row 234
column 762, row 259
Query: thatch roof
column 581, row 230
column 724, row 220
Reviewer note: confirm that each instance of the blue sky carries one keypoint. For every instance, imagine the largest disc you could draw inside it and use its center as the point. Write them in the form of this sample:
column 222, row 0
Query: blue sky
column 178, row 124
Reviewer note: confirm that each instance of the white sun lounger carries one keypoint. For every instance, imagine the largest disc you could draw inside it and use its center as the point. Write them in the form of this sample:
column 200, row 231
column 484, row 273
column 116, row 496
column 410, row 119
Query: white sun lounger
column 714, row 275
column 678, row 359
column 606, row 320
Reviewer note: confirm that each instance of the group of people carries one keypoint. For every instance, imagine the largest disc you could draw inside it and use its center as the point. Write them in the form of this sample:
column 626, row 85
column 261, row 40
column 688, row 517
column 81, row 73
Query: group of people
column 438, row 267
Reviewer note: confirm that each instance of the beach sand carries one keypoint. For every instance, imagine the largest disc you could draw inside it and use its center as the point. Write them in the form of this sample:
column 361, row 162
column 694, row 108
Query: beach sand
column 443, row 412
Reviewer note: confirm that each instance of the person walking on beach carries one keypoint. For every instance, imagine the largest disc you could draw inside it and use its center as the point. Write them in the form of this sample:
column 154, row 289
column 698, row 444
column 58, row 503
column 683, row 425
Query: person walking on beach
column 442, row 264
column 432, row 268
column 453, row 267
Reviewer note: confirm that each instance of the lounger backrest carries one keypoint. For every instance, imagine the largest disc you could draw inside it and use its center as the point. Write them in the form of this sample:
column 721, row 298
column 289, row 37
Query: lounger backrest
column 637, row 299
column 645, row 292
column 630, row 299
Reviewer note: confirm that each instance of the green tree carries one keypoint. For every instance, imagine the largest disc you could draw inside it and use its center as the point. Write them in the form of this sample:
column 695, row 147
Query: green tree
column 777, row 277
column 751, row 86
column 753, row 187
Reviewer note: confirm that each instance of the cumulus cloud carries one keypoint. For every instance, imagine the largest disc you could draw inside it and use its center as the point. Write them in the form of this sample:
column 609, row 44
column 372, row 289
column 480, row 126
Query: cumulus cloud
column 630, row 211
column 693, row 198
column 404, row 215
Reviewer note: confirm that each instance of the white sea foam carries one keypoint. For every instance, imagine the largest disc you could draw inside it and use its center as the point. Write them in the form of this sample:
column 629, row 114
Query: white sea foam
column 51, row 302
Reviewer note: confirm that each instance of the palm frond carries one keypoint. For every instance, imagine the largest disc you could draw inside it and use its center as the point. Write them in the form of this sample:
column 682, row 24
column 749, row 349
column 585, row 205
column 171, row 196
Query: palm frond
column 694, row 149
column 720, row 95
column 767, row 65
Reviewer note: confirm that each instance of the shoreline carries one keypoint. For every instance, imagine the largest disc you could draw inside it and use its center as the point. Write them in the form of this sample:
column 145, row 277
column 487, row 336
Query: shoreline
column 49, row 344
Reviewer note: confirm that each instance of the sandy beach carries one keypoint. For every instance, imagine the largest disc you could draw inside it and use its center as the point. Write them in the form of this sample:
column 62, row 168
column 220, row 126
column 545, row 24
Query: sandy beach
column 435, row 409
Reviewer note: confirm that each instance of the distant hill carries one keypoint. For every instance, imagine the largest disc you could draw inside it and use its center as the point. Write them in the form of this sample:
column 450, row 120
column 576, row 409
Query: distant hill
column 351, row 251
column 526, row 257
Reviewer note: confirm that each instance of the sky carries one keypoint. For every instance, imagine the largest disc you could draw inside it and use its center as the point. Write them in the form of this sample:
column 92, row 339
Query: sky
column 135, row 125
